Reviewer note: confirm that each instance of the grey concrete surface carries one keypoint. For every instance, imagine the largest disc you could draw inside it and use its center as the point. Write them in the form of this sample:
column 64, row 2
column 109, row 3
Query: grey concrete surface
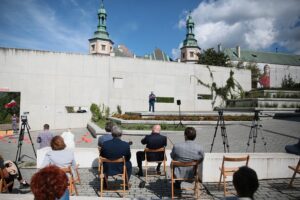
column 277, row 133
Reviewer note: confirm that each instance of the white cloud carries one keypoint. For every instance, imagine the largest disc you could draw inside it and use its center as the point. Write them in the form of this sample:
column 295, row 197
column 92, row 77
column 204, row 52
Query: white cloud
column 254, row 24
column 176, row 52
column 41, row 26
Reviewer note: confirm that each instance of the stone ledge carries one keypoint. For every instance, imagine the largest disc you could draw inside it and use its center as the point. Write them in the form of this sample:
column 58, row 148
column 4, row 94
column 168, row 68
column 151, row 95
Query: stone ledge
column 267, row 165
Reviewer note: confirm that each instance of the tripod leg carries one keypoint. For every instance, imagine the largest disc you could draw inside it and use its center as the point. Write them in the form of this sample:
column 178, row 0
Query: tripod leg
column 263, row 138
column 31, row 140
column 250, row 136
column 224, row 135
column 216, row 129
column 20, row 142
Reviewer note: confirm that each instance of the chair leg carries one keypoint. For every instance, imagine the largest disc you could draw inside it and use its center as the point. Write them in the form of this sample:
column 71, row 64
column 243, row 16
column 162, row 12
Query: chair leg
column 224, row 183
column 220, row 180
column 146, row 171
column 292, row 180
column 172, row 183
column 76, row 192
column 101, row 185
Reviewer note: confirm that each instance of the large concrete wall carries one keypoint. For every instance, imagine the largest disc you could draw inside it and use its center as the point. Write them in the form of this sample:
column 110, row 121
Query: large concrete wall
column 49, row 81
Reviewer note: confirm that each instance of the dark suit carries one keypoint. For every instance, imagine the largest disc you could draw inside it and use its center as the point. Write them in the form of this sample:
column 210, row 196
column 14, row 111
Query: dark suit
column 152, row 141
column 114, row 149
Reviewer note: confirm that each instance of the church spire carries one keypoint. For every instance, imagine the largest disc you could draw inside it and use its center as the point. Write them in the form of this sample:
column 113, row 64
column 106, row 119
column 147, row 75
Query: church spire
column 190, row 48
column 101, row 43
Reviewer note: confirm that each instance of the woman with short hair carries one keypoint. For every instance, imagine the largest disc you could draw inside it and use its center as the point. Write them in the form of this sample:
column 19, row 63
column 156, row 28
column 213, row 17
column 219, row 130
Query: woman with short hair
column 59, row 156
column 50, row 183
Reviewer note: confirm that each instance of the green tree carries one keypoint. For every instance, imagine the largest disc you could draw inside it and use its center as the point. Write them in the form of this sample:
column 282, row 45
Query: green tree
column 211, row 57
column 255, row 74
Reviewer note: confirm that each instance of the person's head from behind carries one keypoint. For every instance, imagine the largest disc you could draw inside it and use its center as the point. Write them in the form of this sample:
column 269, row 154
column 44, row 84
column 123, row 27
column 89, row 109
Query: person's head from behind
column 57, row 143
column 49, row 183
column 156, row 128
column 108, row 126
column 116, row 132
column 245, row 182
column 190, row 133
column 46, row 126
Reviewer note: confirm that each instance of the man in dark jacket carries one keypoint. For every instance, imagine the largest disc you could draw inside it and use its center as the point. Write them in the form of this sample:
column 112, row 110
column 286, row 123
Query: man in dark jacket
column 152, row 141
column 115, row 149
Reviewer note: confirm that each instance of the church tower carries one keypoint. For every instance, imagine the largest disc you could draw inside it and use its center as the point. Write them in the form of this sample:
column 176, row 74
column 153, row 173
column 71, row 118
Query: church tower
column 100, row 43
column 190, row 48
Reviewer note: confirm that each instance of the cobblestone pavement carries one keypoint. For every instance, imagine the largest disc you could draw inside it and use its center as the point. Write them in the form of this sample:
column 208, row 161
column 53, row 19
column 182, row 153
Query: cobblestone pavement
column 160, row 188
column 277, row 134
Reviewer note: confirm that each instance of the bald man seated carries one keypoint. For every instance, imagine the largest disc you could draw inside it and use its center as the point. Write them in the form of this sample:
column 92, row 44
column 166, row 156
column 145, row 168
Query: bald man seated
column 152, row 141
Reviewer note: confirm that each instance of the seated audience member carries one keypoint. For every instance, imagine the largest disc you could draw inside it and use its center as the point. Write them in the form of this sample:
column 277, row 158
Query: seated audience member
column 59, row 156
column 115, row 149
column 245, row 182
column 152, row 141
column 68, row 137
column 45, row 137
column 294, row 148
column 107, row 136
column 11, row 172
column 50, row 183
column 186, row 151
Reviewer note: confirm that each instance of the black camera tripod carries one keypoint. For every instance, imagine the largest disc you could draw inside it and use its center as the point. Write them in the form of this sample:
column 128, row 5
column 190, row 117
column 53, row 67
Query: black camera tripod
column 255, row 129
column 221, row 123
column 24, row 126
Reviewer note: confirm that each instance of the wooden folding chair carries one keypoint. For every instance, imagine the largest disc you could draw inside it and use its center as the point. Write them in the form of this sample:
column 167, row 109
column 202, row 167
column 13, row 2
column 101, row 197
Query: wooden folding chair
column 229, row 171
column 72, row 185
column 104, row 177
column 196, row 179
column 77, row 179
column 296, row 170
column 3, row 185
column 160, row 150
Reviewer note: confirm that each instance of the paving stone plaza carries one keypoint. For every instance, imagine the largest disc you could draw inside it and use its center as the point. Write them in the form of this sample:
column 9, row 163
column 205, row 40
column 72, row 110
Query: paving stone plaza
column 277, row 133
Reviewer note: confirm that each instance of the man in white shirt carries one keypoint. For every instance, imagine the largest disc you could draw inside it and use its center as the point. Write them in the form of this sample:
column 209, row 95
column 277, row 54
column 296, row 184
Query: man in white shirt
column 68, row 137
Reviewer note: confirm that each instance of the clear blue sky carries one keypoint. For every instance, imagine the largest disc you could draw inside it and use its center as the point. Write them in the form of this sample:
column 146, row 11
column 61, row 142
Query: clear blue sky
column 143, row 25
column 66, row 25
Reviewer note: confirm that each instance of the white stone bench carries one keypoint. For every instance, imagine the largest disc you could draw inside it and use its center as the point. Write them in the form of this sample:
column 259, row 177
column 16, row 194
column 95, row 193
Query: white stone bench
column 267, row 165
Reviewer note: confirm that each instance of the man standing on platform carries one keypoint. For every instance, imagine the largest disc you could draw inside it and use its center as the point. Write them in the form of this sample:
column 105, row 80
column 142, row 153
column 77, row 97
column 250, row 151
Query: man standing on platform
column 152, row 99
column 152, row 141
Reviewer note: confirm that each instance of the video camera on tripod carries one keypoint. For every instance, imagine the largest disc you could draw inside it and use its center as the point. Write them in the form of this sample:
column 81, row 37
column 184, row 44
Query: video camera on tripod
column 24, row 126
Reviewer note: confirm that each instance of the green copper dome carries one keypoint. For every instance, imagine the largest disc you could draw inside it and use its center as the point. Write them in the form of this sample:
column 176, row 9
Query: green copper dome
column 101, row 32
column 190, row 40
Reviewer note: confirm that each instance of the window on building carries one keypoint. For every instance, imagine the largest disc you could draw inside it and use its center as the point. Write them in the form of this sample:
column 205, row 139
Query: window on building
column 204, row 96
column 93, row 47
column 183, row 55
column 191, row 54
column 103, row 47
column 118, row 82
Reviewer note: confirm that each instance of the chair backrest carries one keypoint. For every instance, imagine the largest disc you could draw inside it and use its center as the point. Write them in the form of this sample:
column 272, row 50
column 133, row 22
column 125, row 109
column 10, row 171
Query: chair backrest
column 159, row 150
column 235, row 159
column 105, row 160
column 184, row 164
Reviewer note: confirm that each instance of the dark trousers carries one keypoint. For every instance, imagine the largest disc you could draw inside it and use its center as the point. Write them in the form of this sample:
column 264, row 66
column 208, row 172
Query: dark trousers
column 151, row 106
column 140, row 157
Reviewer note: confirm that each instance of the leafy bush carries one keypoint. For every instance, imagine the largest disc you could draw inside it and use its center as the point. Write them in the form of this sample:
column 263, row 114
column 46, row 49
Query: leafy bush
column 119, row 110
column 288, row 82
column 95, row 112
